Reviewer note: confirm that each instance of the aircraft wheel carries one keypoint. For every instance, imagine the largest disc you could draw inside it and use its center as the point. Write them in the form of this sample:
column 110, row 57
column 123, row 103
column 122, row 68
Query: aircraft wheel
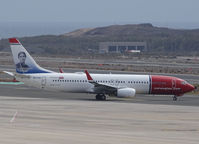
column 100, row 97
column 97, row 97
column 103, row 97
column 175, row 98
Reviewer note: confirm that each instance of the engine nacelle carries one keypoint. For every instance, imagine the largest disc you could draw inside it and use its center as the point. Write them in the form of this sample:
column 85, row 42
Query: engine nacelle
column 126, row 92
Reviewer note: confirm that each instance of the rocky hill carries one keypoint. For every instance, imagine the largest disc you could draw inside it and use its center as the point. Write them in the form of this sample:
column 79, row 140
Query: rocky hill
column 159, row 40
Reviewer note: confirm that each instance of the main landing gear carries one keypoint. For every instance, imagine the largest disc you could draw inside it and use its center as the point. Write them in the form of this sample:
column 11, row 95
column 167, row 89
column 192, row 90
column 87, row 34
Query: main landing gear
column 100, row 97
column 175, row 98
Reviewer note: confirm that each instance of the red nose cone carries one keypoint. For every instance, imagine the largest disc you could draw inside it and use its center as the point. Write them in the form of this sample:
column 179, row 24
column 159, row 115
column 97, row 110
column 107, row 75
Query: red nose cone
column 190, row 87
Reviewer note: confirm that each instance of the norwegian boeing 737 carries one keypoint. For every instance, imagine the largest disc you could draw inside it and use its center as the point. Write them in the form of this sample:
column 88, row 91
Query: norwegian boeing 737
column 118, row 85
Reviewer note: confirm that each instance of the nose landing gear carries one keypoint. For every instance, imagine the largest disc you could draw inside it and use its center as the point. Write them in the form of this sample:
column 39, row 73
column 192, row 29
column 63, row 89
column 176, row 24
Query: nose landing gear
column 100, row 97
column 175, row 98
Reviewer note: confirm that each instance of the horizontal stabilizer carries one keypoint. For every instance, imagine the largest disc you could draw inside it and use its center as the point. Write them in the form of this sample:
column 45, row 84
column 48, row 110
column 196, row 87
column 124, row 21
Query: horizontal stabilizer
column 9, row 73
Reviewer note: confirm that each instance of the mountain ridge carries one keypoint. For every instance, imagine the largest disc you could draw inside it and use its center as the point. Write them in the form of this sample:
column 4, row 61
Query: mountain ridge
column 160, row 40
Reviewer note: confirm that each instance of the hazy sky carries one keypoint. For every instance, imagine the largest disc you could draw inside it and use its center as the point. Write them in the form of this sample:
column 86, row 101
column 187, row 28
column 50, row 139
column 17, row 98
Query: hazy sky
column 114, row 11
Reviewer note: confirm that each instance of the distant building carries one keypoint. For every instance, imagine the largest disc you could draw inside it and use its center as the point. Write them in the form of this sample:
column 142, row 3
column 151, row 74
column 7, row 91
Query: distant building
column 121, row 47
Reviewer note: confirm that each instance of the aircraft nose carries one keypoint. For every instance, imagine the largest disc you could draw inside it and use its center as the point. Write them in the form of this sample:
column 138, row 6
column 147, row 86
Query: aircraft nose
column 190, row 87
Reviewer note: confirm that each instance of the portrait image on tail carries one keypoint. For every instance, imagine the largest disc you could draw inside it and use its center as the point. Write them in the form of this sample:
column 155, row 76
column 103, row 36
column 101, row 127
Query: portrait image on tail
column 21, row 65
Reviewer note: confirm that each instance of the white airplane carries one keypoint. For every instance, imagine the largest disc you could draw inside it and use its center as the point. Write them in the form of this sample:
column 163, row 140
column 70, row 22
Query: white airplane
column 118, row 85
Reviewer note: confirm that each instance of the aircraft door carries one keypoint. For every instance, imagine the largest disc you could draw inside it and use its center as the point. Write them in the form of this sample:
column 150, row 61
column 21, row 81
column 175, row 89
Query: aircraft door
column 114, row 82
column 173, row 85
column 43, row 82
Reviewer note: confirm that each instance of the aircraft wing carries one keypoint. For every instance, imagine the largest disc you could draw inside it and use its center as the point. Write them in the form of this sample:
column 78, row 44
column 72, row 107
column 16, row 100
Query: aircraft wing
column 101, row 87
column 16, row 74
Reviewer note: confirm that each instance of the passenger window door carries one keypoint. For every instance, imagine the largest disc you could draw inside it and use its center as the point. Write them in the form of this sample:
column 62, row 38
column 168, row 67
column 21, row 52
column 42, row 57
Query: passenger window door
column 43, row 82
column 173, row 84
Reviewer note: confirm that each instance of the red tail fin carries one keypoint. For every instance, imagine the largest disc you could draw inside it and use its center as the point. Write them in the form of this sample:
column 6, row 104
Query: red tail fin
column 13, row 40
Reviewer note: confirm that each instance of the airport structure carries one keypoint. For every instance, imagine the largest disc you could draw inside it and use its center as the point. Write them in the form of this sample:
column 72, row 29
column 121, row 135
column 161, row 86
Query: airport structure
column 121, row 47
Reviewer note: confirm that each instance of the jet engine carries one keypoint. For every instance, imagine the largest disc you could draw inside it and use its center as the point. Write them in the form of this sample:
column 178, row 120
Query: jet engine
column 126, row 92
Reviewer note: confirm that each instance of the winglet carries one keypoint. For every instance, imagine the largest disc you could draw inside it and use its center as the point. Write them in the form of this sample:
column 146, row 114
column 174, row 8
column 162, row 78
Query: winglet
column 13, row 40
column 61, row 70
column 88, row 76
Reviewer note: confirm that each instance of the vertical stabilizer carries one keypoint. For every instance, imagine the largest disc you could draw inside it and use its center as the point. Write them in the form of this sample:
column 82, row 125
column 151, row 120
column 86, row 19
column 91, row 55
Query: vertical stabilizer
column 24, row 63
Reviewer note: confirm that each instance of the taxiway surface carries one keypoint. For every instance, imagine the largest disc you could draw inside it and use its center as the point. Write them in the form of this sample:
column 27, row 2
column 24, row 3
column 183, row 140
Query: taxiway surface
column 29, row 115
column 29, row 92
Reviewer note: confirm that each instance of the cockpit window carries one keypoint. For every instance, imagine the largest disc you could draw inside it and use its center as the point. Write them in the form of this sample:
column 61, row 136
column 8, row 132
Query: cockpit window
column 184, row 82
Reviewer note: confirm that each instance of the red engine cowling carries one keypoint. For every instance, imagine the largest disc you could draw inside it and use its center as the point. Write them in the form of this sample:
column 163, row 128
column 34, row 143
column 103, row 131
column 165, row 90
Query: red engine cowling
column 126, row 92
